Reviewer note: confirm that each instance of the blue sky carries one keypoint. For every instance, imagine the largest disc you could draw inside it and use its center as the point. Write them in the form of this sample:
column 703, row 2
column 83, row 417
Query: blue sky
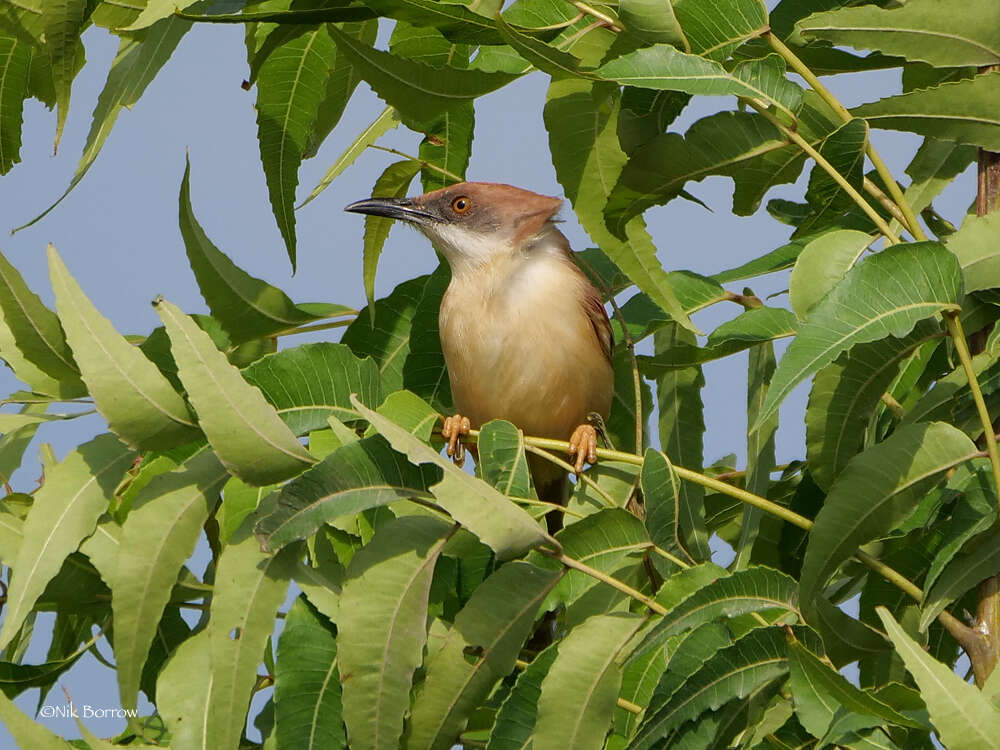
column 118, row 232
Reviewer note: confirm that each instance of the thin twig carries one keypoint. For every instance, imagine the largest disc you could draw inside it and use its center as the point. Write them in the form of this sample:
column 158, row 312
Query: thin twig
column 570, row 469
column 422, row 162
column 606, row 20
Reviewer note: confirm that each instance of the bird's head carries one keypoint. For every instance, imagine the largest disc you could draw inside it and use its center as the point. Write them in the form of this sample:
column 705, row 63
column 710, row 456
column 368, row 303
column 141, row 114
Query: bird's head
column 472, row 222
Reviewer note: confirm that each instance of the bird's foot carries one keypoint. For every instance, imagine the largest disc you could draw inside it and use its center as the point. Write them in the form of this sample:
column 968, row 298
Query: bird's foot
column 455, row 428
column 583, row 446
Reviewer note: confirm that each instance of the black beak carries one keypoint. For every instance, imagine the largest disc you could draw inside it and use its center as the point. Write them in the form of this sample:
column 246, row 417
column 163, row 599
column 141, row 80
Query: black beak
column 391, row 208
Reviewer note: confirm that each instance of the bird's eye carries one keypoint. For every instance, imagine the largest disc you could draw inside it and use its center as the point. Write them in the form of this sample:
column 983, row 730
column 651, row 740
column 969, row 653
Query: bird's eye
column 461, row 205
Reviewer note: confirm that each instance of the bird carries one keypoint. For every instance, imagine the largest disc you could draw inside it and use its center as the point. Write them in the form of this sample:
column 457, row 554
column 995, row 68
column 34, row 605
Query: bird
column 525, row 335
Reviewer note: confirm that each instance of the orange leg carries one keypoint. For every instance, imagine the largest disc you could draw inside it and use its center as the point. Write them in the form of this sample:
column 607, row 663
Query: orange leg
column 455, row 428
column 583, row 445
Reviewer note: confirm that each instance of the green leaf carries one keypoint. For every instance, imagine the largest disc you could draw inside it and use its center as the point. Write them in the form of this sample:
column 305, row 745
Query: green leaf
column 309, row 383
column 63, row 21
column 822, row 695
column 978, row 561
column 394, row 182
column 290, row 86
column 447, row 146
column 159, row 534
column 608, row 541
column 975, row 246
column 245, row 431
column 387, row 339
column 139, row 404
column 15, row 442
column 933, row 168
column 732, row 672
column 480, row 649
column 419, row 92
column 136, row 64
column 64, row 512
column 715, row 30
column 355, row 477
column 846, row 392
column 500, row 524
column 879, row 488
column 719, row 144
column 26, row 731
column 581, row 119
column 515, row 721
column 821, row 265
column 579, row 692
column 424, row 370
column 964, row 111
column 844, row 149
column 754, row 589
column 38, row 337
column 386, row 121
column 653, row 21
column 155, row 11
column 382, row 626
column 886, row 294
column 924, row 30
column 502, row 460
column 663, row 493
column 963, row 717
column 307, row 709
column 15, row 65
column 751, row 327
column 248, row 308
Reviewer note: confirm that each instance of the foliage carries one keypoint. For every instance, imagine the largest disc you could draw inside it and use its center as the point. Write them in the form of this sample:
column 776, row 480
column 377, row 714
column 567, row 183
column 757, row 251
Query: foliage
column 433, row 607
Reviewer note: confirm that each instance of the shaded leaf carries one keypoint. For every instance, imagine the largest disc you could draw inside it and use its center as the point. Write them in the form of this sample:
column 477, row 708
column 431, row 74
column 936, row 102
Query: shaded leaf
column 715, row 29
column 15, row 65
column 516, row 718
column 975, row 246
column 502, row 459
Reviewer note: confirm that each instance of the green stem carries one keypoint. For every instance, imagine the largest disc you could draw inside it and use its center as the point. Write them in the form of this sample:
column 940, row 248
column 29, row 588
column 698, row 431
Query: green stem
column 423, row 162
column 827, row 167
column 604, row 18
column 570, row 469
column 569, row 562
column 910, row 219
column 954, row 324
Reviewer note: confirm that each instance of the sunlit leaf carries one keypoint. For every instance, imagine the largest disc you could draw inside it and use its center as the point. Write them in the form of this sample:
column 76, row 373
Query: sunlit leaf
column 961, row 714
column 246, row 432
column 821, row 265
column 65, row 511
column 715, row 29
column 382, row 627
column 912, row 281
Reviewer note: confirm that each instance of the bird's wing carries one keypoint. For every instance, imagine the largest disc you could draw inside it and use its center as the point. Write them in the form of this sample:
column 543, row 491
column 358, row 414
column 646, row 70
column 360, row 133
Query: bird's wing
column 593, row 305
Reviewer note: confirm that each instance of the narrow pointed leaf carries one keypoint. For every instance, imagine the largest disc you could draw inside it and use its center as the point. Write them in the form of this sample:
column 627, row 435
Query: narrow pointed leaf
column 922, row 30
column 964, row 111
column 733, row 672
column 290, row 86
column 354, row 477
column 63, row 22
column 307, row 709
column 962, row 715
column 516, row 717
column 65, row 511
column 394, row 182
column 579, row 692
column 382, row 627
column 821, row 265
column 136, row 64
column 500, row 524
column 386, row 121
column 979, row 561
column 37, row 332
column 581, row 119
column 15, row 64
column 139, row 404
column 159, row 534
column 424, row 371
column 715, row 29
column 846, row 392
column 502, row 459
column 245, row 431
column 247, row 307
column 480, row 649
column 912, row 281
column 844, row 149
column 309, row 383
column 878, row 489
column 417, row 91
column 243, row 610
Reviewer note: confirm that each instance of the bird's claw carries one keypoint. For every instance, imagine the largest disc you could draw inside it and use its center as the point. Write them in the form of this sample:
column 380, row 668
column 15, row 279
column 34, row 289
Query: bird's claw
column 583, row 445
column 455, row 428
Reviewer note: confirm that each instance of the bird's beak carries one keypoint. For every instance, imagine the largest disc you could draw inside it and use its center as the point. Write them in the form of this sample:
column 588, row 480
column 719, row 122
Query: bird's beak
column 392, row 208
